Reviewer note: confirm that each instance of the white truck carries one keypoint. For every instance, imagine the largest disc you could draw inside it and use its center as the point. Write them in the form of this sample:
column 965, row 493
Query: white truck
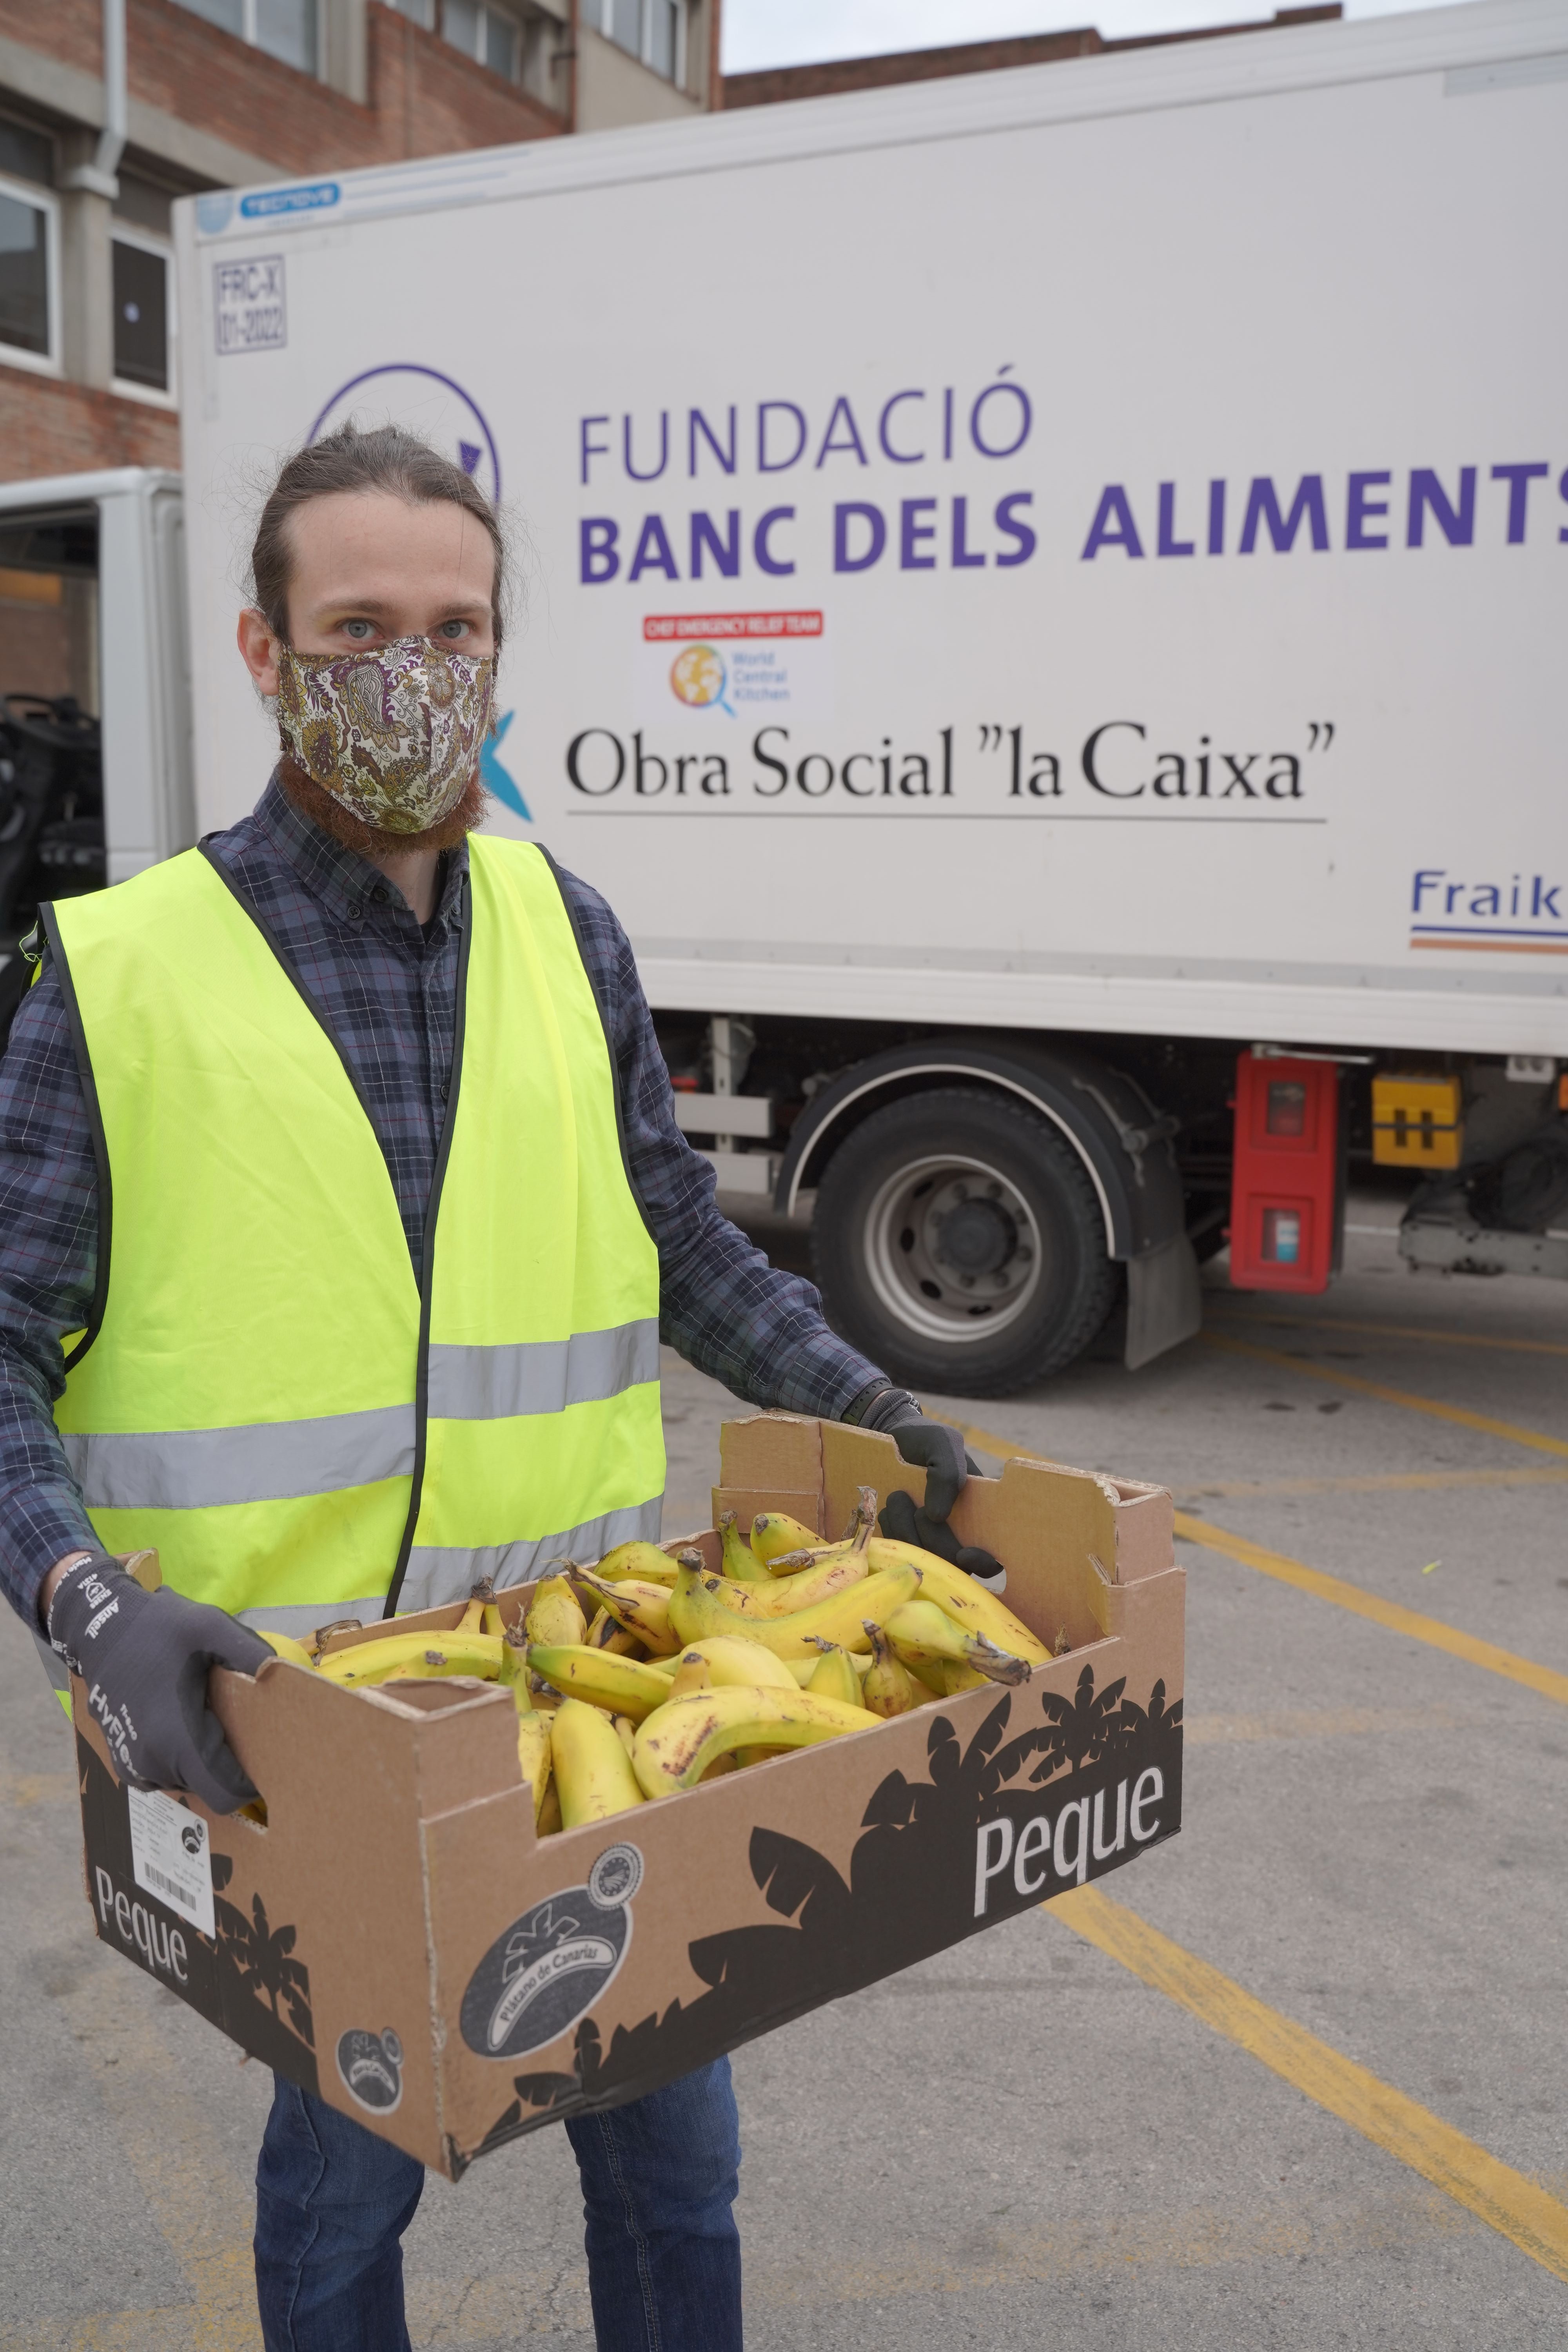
column 1044, row 615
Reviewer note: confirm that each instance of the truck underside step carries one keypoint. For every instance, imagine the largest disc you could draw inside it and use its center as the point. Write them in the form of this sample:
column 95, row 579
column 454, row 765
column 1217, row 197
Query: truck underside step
column 1459, row 1246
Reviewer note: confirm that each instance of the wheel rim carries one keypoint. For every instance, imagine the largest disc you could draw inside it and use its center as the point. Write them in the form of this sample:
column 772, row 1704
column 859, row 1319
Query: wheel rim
column 953, row 1249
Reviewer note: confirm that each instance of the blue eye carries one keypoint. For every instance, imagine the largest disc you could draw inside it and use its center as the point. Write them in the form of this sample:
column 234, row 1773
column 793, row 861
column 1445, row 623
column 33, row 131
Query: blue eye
column 359, row 629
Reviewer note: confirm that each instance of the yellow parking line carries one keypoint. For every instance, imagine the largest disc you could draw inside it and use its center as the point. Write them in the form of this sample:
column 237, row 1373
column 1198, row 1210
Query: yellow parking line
column 1392, row 1482
column 1398, row 1331
column 1505, row 2199
column 1542, row 1680
column 1454, row 1412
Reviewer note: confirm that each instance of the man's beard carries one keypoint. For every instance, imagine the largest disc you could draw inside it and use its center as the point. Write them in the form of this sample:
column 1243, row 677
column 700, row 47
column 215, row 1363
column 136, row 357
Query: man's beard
column 372, row 841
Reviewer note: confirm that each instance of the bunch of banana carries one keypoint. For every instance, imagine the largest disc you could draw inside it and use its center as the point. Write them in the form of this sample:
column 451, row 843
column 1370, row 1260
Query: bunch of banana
column 923, row 1635
column 686, row 1674
column 701, row 1605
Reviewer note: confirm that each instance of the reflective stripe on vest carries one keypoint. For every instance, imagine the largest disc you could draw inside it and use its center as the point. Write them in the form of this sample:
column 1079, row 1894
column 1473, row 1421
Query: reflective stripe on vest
column 249, row 1399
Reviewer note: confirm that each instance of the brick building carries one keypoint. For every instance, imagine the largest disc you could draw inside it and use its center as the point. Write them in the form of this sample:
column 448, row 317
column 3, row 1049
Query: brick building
column 111, row 109
column 779, row 83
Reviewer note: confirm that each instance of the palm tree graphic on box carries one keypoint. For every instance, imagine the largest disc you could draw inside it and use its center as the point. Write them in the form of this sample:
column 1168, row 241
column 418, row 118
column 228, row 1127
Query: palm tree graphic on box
column 911, row 1889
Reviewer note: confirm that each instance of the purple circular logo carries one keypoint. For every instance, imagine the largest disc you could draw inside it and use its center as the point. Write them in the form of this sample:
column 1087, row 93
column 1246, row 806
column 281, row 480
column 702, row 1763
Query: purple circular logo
column 426, row 403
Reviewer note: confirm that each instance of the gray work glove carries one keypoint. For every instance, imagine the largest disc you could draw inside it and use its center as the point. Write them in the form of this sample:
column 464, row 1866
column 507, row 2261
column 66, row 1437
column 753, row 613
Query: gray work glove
column 936, row 1448
column 145, row 1658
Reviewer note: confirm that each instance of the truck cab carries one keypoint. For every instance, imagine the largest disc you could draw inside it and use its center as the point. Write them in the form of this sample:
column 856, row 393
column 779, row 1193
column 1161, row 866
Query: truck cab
column 96, row 777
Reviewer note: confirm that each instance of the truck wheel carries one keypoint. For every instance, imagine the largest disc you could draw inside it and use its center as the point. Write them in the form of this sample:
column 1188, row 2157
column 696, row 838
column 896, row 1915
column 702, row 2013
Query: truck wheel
column 958, row 1241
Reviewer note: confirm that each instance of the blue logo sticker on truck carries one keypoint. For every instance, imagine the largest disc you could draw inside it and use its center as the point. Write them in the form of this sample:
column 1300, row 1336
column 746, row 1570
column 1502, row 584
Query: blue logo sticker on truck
column 266, row 203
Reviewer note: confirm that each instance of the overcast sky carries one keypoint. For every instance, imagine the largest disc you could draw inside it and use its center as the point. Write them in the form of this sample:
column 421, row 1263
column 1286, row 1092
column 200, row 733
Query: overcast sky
column 795, row 32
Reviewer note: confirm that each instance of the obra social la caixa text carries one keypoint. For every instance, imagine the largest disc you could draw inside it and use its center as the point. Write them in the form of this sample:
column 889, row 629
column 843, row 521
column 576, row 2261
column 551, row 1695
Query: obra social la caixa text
column 1114, row 762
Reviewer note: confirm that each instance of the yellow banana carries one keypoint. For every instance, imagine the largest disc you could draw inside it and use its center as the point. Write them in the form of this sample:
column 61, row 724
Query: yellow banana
column 533, row 1753
column 692, row 1672
column 698, row 1609
column 638, row 1558
column 930, row 1680
column 920, row 1630
column 732, row 1658
column 286, row 1646
column 641, row 1607
column 604, row 1634
column 620, row 1685
column 677, row 1745
column 740, row 1560
column 780, row 1596
column 833, row 1676
column 514, row 1657
column 472, row 1620
column 775, row 1531
column 593, row 1771
column 887, row 1689
column 626, row 1732
column 415, row 1656
column 548, row 1819
column 492, row 1620
column 555, row 1615
column 961, row 1598
column 856, row 1535
column 955, row 1678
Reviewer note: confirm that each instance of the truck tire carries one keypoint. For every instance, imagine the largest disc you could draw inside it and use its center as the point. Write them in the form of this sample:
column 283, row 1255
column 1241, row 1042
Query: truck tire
column 959, row 1242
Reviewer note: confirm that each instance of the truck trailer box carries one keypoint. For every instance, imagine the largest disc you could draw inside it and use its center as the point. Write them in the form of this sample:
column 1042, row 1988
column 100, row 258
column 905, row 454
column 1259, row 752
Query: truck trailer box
column 394, row 1937
column 1079, row 548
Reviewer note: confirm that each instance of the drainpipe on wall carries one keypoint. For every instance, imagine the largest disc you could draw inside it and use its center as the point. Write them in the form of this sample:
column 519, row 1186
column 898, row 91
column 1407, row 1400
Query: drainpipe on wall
column 99, row 178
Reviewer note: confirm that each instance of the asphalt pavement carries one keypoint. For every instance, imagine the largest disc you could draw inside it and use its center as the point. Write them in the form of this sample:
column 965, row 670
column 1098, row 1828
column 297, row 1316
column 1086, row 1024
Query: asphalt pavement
column 1026, row 2142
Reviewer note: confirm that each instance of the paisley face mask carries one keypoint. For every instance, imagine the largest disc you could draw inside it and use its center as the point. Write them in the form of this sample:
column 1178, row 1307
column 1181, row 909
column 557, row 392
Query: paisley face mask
column 393, row 732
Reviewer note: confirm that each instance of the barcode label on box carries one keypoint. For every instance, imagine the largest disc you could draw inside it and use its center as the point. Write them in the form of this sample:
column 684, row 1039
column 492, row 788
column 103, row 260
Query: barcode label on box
column 171, row 1857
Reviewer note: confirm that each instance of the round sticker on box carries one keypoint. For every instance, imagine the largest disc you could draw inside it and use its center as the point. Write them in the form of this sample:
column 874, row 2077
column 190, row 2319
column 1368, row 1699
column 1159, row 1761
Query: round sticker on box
column 615, row 1877
column 372, row 2067
column 551, row 1966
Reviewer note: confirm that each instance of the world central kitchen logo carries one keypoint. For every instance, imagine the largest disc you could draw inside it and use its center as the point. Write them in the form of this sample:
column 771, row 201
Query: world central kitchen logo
column 551, row 1966
column 1519, row 914
column 732, row 665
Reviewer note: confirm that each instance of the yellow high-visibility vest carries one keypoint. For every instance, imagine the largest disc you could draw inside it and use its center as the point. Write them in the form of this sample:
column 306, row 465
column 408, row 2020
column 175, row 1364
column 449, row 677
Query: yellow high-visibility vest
column 268, row 1393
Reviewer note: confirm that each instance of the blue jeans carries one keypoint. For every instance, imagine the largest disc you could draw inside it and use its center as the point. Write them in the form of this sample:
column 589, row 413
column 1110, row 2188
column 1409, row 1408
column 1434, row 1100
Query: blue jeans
column 658, row 2179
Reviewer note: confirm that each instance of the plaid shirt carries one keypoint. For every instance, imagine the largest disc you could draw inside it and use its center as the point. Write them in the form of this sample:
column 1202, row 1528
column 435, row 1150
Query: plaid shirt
column 388, row 991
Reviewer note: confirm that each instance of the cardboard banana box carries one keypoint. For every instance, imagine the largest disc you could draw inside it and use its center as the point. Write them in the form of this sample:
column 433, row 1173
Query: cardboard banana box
column 396, row 1938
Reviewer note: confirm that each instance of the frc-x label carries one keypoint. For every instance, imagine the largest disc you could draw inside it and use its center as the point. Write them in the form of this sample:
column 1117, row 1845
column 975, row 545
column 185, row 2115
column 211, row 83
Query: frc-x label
column 249, row 309
column 171, row 1857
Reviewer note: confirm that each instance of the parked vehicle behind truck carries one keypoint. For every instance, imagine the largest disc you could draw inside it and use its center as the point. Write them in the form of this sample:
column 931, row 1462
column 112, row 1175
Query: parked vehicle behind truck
column 1044, row 612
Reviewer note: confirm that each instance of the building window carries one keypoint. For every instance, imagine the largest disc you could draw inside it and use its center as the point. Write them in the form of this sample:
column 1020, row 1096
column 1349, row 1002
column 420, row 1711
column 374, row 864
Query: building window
column 27, row 154
column 27, row 301
column 286, row 29
column 142, row 320
column 653, row 30
column 486, row 35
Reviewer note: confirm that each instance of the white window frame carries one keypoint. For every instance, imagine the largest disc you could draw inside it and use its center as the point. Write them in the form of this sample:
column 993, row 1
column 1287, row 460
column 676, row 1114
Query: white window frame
column 126, row 233
column 485, row 10
column 247, row 33
column 27, row 192
column 676, row 80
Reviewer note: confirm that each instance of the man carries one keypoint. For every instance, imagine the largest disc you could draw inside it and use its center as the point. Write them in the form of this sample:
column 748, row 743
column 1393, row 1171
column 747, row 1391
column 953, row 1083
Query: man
column 342, row 1207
